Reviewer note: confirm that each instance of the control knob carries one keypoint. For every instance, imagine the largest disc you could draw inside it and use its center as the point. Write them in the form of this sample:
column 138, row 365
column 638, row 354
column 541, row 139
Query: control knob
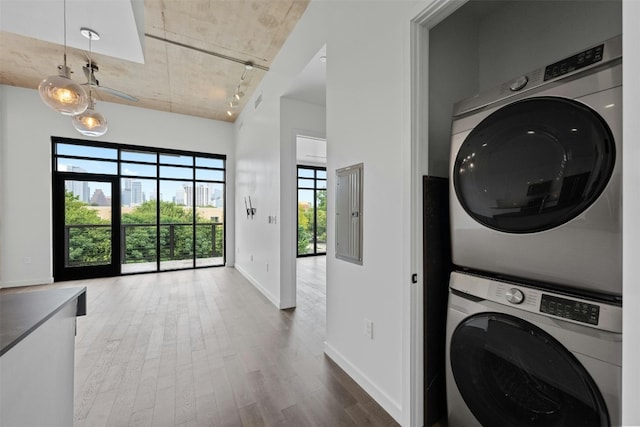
column 519, row 83
column 515, row 296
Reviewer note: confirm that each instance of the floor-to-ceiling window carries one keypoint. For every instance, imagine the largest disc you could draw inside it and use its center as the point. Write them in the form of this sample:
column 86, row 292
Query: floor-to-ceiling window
column 123, row 209
column 312, row 210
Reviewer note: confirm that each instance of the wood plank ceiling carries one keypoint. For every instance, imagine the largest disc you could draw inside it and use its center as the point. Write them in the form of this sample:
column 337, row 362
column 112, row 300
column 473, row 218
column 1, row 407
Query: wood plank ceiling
column 197, row 80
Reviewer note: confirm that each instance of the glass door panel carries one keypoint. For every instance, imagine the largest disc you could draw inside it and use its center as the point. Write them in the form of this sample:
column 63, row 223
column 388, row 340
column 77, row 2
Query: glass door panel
column 312, row 211
column 209, row 224
column 139, row 214
column 176, row 224
column 306, row 219
column 321, row 221
column 85, row 229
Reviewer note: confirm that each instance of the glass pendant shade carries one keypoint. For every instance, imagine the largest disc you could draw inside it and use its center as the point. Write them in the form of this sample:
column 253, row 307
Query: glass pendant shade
column 90, row 123
column 62, row 94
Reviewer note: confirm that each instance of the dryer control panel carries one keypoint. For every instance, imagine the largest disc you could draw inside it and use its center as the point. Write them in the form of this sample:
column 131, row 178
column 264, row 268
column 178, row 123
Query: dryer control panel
column 570, row 309
column 573, row 63
column 593, row 314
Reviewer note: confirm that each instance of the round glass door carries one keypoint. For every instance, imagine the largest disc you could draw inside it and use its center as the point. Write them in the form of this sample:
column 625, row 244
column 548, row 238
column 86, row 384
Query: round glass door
column 534, row 164
column 512, row 373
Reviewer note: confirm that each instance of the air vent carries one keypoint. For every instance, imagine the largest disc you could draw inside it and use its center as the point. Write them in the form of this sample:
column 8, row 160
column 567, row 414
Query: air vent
column 258, row 101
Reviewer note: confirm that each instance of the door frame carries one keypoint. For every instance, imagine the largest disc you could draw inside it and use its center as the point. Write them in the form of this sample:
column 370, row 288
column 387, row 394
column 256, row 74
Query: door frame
column 60, row 271
column 427, row 15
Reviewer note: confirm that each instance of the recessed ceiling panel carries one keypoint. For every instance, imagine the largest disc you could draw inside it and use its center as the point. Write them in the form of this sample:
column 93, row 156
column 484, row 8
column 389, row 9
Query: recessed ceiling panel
column 113, row 20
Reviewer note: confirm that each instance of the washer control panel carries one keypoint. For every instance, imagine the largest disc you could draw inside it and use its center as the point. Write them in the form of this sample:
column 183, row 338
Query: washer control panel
column 590, row 313
column 569, row 309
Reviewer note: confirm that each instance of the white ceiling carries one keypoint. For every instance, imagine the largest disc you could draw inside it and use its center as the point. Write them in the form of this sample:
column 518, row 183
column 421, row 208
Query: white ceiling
column 122, row 35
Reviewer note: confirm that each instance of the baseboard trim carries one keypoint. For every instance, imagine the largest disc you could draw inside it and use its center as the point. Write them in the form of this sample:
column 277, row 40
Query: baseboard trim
column 388, row 404
column 31, row 282
column 275, row 301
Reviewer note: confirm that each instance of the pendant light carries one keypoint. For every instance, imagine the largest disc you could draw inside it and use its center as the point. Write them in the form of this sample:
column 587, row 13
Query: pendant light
column 59, row 92
column 90, row 122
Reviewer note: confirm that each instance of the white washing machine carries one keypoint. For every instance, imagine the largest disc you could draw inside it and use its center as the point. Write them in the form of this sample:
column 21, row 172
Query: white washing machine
column 521, row 356
column 535, row 188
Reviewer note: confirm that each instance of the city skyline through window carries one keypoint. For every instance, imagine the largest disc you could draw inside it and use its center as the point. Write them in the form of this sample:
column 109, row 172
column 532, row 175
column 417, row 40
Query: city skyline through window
column 169, row 209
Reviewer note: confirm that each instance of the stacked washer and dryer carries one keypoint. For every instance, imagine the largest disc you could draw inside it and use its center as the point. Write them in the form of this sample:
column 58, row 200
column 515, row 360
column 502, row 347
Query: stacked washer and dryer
column 534, row 319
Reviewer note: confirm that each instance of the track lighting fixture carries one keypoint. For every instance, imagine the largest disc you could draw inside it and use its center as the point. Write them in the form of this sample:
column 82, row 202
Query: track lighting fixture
column 237, row 96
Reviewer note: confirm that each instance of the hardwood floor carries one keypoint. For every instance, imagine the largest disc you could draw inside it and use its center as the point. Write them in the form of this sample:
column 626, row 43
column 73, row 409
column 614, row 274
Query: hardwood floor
column 204, row 348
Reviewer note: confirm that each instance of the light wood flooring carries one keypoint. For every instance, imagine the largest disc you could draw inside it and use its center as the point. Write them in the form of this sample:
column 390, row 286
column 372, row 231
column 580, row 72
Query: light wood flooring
column 205, row 348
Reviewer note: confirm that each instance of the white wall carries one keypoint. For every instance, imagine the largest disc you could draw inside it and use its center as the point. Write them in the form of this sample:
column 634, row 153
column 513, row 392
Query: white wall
column 296, row 118
column 25, row 188
column 259, row 149
column 367, row 121
column 630, row 215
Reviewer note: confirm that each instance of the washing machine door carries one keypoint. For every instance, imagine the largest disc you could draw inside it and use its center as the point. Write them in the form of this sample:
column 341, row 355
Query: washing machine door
column 512, row 373
column 534, row 164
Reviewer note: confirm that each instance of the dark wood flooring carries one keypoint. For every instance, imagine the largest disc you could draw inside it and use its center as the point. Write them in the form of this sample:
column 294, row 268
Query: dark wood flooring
column 205, row 348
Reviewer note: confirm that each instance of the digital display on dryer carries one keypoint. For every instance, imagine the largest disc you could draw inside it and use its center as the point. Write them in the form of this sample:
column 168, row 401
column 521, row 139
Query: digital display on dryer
column 574, row 62
column 569, row 309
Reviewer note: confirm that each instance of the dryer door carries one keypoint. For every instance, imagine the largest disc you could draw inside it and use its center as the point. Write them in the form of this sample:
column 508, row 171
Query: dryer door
column 534, row 164
column 512, row 373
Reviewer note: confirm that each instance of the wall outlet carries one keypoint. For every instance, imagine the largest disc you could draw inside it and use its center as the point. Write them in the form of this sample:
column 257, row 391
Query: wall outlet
column 27, row 260
column 368, row 328
column 251, row 257
column 267, row 267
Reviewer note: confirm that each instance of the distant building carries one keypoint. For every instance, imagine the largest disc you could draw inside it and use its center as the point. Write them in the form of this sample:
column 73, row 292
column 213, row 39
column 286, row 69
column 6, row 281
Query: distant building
column 99, row 199
column 202, row 195
column 77, row 188
column 136, row 192
column 184, row 195
column 132, row 192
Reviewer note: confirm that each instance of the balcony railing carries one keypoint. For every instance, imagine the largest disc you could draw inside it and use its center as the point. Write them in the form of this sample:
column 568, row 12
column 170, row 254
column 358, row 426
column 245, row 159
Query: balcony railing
column 90, row 244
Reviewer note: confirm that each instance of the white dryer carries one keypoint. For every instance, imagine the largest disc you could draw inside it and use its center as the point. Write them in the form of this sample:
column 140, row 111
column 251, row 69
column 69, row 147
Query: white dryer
column 521, row 356
column 535, row 188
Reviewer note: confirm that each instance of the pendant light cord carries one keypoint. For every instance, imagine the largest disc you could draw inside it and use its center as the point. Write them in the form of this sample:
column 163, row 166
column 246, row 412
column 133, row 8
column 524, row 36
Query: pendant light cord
column 90, row 68
column 64, row 36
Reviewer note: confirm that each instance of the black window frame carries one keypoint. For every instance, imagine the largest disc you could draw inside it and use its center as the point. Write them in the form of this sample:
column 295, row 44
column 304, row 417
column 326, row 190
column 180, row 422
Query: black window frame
column 315, row 188
column 119, row 176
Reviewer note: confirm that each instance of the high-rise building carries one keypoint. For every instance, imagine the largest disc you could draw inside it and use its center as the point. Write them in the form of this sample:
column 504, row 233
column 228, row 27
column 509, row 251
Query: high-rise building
column 202, row 195
column 126, row 197
column 136, row 192
column 132, row 192
column 183, row 195
column 77, row 188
